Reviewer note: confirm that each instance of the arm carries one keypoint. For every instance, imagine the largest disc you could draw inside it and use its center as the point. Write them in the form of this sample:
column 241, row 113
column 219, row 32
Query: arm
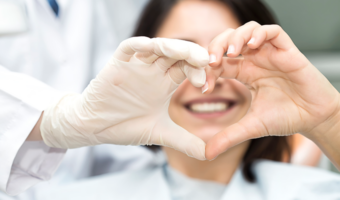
column 35, row 134
column 327, row 137
column 22, row 100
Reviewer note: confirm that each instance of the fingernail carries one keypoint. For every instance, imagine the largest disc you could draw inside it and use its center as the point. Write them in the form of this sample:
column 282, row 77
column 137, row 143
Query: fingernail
column 213, row 159
column 251, row 41
column 231, row 49
column 205, row 87
column 212, row 58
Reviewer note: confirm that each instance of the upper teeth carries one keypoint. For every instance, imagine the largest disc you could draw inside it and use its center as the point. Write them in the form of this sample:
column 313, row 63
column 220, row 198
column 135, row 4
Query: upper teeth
column 209, row 107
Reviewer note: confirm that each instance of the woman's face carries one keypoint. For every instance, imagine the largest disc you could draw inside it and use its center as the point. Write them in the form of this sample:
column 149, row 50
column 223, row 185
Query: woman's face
column 204, row 114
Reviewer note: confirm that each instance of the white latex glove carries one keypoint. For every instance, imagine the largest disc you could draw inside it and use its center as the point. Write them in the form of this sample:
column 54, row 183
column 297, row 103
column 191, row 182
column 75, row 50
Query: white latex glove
column 127, row 103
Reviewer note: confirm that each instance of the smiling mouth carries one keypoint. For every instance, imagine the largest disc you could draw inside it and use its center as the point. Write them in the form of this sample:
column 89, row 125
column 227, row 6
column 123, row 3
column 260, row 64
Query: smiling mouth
column 210, row 107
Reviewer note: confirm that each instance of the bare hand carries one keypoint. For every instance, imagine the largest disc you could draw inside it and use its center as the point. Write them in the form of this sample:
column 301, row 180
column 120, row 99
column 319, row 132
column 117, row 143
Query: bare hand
column 289, row 95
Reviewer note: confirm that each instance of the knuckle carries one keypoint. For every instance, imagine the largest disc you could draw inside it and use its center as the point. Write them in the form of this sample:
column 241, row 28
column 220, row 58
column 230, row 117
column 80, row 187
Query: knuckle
column 253, row 23
column 124, row 46
column 224, row 135
column 181, row 64
column 215, row 44
column 124, row 42
column 260, row 30
column 229, row 30
column 226, row 144
column 276, row 27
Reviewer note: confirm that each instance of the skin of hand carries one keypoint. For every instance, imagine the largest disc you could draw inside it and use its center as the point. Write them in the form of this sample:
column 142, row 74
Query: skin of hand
column 289, row 95
column 35, row 134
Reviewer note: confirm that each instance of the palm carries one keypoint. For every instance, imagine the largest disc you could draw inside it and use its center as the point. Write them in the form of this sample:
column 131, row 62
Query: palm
column 273, row 80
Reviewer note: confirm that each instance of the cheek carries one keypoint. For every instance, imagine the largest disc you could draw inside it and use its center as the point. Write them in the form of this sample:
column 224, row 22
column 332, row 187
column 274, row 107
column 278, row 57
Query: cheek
column 242, row 91
column 176, row 107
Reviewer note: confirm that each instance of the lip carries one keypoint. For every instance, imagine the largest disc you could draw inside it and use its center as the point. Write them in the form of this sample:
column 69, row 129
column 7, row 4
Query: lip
column 213, row 114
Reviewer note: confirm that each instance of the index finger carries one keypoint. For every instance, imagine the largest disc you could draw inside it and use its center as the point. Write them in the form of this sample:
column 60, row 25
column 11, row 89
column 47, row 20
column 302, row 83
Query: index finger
column 223, row 42
column 129, row 47
column 194, row 54
column 154, row 48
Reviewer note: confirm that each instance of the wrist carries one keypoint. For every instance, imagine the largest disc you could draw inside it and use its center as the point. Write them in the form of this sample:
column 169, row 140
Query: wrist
column 327, row 137
column 327, row 130
column 35, row 134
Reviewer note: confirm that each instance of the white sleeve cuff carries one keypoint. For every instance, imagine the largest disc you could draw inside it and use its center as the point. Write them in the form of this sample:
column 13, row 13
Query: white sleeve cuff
column 35, row 162
column 22, row 100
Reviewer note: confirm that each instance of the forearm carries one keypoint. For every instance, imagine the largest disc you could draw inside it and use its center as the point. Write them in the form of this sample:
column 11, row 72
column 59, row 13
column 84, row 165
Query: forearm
column 327, row 137
column 35, row 134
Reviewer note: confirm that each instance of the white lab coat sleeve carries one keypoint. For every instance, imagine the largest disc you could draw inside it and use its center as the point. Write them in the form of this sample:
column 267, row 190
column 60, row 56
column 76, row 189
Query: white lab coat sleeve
column 23, row 164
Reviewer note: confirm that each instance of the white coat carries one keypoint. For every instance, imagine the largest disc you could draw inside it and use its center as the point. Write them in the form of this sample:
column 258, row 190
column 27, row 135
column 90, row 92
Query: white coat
column 277, row 181
column 57, row 54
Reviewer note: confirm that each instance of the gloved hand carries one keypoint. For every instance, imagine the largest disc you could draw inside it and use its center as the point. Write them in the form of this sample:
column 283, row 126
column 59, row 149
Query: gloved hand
column 127, row 103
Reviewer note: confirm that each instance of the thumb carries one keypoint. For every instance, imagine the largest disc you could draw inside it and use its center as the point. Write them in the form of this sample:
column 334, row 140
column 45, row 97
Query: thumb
column 169, row 134
column 247, row 128
column 182, row 69
column 229, row 68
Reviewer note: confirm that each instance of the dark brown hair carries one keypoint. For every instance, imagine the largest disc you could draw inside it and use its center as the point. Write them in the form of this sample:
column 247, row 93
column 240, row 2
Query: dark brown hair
column 154, row 14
